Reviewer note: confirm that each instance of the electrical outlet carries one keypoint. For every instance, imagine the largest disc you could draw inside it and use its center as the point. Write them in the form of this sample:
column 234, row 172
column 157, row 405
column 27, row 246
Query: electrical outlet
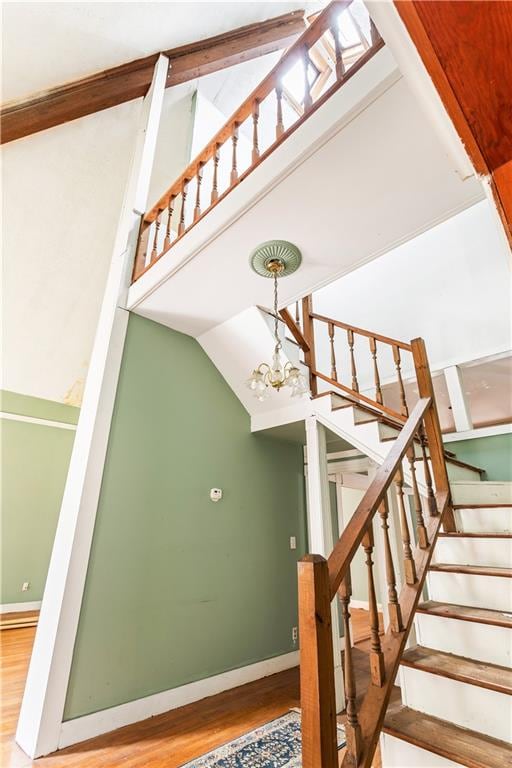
column 25, row 586
column 293, row 542
column 295, row 634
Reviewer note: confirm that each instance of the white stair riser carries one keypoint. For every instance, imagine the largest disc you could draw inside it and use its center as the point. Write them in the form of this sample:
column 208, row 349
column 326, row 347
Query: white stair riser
column 481, row 492
column 484, row 520
column 471, row 551
column 396, row 753
column 469, row 706
column 493, row 592
column 482, row 642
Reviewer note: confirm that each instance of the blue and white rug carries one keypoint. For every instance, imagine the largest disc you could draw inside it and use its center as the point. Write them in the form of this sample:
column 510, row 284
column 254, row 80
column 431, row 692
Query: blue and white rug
column 274, row 745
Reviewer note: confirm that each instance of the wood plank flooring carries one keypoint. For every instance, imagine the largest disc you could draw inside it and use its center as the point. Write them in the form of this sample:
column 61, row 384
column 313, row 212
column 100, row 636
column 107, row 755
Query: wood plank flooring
column 168, row 740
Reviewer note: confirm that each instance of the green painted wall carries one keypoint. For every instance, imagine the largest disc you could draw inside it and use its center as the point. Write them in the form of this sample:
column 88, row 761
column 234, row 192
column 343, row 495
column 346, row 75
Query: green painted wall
column 179, row 588
column 494, row 454
column 33, row 465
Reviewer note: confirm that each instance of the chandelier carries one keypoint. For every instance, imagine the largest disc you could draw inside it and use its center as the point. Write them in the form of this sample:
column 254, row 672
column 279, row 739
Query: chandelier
column 276, row 259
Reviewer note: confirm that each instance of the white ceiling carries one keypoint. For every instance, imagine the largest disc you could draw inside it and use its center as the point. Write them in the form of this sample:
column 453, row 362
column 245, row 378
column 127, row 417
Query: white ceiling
column 46, row 44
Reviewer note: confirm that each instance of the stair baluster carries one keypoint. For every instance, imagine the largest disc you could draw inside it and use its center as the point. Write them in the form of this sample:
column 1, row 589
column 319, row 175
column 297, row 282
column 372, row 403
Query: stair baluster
column 398, row 365
column 170, row 210
column 279, row 122
column 420, row 522
column 350, row 337
column 409, row 565
column 376, row 655
column 340, row 66
column 255, row 118
column 154, row 250
column 234, row 141
column 431, row 499
column 199, row 177
column 215, row 191
column 184, row 187
column 352, row 727
column 308, row 101
column 395, row 614
column 334, row 374
column 378, row 390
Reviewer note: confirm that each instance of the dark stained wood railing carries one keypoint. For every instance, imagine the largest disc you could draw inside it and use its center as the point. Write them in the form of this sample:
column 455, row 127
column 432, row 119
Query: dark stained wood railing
column 266, row 102
column 418, row 446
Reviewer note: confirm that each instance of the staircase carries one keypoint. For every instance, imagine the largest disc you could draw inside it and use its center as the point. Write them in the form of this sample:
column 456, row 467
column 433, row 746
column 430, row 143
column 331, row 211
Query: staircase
column 451, row 652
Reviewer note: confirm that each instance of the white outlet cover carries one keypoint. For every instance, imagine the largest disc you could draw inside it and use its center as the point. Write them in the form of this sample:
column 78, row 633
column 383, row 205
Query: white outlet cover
column 293, row 542
column 216, row 494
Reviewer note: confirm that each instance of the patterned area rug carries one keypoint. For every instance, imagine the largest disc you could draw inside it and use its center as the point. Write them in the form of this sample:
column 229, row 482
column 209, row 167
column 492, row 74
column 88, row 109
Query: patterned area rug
column 274, row 745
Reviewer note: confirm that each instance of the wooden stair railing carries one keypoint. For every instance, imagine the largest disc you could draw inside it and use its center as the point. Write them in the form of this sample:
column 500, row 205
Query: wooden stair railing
column 219, row 163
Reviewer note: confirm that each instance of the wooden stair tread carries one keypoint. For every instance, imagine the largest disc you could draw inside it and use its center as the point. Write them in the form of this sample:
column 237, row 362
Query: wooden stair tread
column 475, row 570
column 478, row 673
column 482, row 506
column 469, row 748
column 466, row 613
column 470, row 535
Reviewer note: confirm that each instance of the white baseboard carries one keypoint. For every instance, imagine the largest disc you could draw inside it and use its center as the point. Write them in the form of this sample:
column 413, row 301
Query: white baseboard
column 88, row 726
column 19, row 607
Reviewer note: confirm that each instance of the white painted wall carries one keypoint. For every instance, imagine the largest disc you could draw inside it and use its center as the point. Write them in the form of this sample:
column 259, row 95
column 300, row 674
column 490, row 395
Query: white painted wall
column 450, row 285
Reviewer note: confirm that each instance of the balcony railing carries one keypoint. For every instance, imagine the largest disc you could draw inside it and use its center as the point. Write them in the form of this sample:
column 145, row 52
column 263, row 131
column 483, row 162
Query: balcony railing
column 341, row 39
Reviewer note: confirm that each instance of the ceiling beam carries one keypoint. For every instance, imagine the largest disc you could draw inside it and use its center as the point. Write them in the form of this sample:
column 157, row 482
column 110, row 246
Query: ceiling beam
column 114, row 86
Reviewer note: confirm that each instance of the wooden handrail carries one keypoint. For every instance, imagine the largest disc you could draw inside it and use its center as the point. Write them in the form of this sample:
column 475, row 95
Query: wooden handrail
column 294, row 329
column 321, row 581
column 313, row 99
column 363, row 332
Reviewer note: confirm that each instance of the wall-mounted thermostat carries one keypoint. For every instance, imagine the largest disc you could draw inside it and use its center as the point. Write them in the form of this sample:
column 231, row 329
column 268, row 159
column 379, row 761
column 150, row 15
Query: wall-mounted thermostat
column 216, row 494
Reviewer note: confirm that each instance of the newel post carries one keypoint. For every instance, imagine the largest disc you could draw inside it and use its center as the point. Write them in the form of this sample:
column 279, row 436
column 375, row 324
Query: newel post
column 309, row 335
column 432, row 426
column 317, row 693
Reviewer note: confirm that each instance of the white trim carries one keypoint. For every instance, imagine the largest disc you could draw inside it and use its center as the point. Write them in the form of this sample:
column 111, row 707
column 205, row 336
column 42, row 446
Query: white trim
column 472, row 434
column 458, row 400
column 20, row 607
column 42, row 708
column 36, row 420
column 82, row 728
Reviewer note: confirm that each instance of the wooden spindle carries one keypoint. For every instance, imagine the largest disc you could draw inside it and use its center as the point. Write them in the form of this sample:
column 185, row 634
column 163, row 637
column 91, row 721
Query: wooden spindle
column 308, row 330
column 184, row 187
column 431, row 499
column 376, row 655
column 308, row 101
column 297, row 314
column 279, row 123
column 234, row 140
column 352, row 726
column 199, row 177
column 374, row 33
column 154, row 250
column 334, row 374
column 378, row 390
column 398, row 365
column 420, row 522
column 395, row 613
column 255, row 118
column 409, row 565
column 350, row 337
column 340, row 66
column 170, row 209
column 215, row 190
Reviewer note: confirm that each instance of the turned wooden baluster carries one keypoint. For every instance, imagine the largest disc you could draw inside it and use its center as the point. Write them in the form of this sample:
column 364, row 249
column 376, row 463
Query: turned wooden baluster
column 340, row 66
column 234, row 140
column 334, row 374
column 307, row 92
column 395, row 613
column 279, row 123
column 350, row 337
column 197, row 207
column 184, row 187
column 170, row 209
column 398, row 365
column 409, row 565
column 376, row 655
column 255, row 118
column 378, row 390
column 374, row 33
column 420, row 522
column 431, row 499
column 352, row 726
column 154, row 250
column 215, row 191
column 297, row 314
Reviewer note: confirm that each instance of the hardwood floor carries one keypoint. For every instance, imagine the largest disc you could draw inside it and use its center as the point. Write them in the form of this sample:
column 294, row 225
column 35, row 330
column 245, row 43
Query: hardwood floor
column 165, row 741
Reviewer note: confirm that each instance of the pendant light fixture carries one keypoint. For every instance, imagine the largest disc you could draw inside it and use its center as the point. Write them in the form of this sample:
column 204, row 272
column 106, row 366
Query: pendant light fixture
column 276, row 259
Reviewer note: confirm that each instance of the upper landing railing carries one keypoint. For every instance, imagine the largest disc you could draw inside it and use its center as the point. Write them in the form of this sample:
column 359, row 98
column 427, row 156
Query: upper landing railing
column 340, row 40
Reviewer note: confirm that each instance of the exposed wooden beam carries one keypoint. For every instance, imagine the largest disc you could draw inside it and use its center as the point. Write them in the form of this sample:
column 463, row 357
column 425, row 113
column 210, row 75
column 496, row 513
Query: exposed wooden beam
column 132, row 80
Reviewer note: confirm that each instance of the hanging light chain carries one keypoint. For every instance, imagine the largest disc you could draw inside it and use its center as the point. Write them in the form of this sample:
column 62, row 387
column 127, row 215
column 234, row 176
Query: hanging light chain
column 276, row 318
